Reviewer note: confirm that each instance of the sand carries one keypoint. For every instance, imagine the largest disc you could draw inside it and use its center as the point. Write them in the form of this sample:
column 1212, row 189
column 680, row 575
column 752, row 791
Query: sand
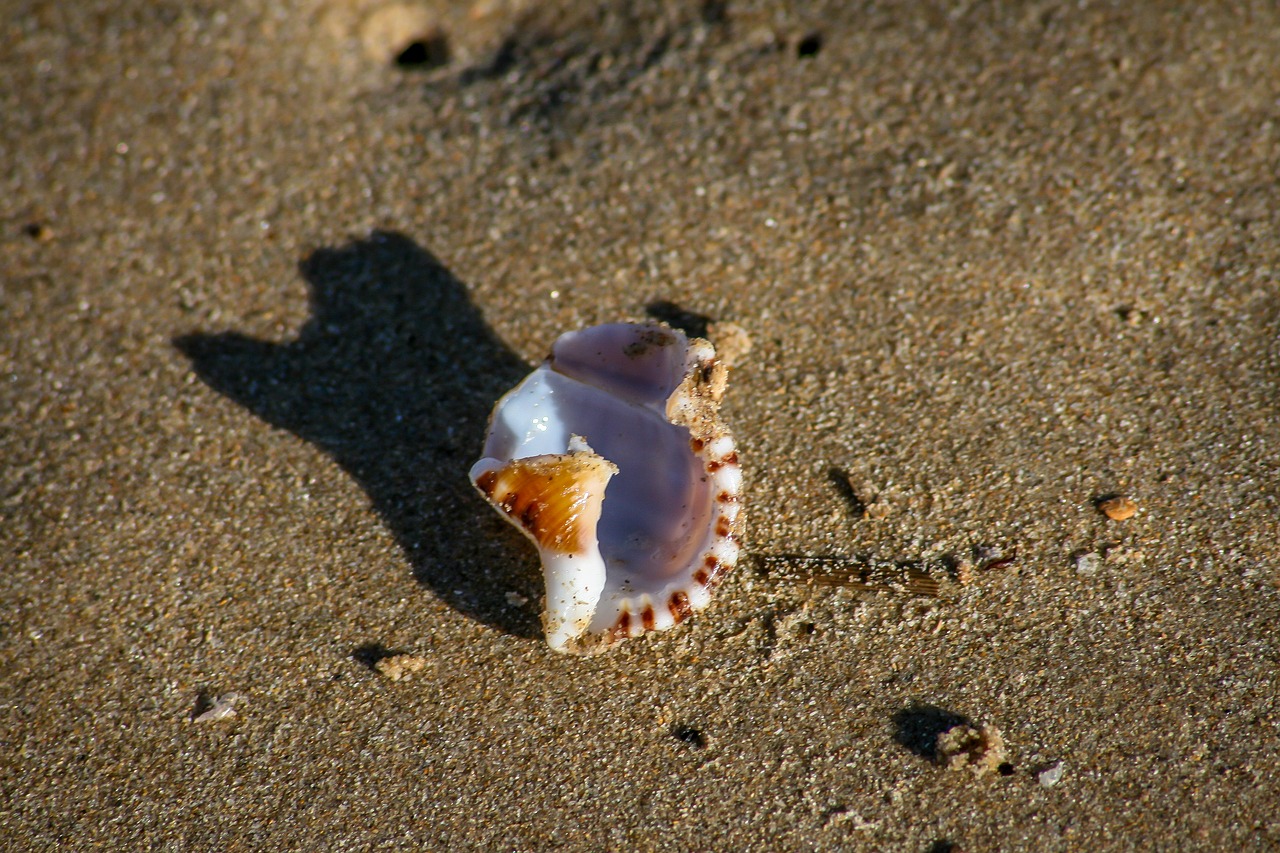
column 266, row 267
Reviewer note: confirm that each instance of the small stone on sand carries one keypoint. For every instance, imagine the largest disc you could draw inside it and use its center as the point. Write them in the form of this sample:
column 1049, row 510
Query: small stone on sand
column 877, row 511
column 406, row 30
column 397, row 667
column 732, row 342
column 980, row 749
column 1087, row 563
column 1119, row 508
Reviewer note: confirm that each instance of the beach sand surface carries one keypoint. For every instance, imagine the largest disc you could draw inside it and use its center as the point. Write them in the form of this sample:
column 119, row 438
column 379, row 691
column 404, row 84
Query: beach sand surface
column 265, row 268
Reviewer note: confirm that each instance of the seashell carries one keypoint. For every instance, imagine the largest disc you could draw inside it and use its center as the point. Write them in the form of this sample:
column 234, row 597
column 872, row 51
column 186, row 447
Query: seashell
column 611, row 457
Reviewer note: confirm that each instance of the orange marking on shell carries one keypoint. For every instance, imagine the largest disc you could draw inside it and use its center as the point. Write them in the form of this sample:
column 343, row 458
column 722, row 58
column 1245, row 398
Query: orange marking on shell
column 716, row 464
column 555, row 499
column 717, row 569
column 679, row 606
column 486, row 481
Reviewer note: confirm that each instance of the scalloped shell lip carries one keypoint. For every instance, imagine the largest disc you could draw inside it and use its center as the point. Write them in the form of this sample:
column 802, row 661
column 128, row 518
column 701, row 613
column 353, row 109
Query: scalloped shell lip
column 647, row 398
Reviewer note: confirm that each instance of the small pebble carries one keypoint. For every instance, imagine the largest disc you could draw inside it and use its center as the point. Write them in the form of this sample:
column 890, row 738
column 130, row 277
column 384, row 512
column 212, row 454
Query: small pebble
column 1119, row 508
column 515, row 599
column 988, row 553
column 393, row 26
column 877, row 511
column 978, row 748
column 1088, row 563
column 844, row 815
column 1051, row 775
column 732, row 342
column 397, row 667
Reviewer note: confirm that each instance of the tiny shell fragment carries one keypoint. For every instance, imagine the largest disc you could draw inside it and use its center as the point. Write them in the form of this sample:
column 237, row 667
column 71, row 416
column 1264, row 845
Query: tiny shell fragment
column 219, row 708
column 1119, row 508
column 612, row 459
column 1051, row 775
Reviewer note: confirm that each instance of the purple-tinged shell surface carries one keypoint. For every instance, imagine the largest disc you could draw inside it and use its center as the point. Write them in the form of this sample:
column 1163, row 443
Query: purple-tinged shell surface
column 611, row 457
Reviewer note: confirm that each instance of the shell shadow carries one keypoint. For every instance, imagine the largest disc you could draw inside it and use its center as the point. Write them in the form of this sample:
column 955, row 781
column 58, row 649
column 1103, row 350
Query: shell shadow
column 393, row 376
column 918, row 726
